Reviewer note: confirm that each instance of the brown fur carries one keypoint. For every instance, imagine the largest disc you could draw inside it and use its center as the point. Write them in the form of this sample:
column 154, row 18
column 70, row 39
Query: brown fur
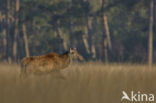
column 47, row 63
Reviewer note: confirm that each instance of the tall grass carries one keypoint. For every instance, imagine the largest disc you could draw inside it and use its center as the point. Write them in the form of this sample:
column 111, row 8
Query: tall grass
column 83, row 83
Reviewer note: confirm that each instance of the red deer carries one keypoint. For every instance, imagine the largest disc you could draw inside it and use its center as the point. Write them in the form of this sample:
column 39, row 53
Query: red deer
column 47, row 63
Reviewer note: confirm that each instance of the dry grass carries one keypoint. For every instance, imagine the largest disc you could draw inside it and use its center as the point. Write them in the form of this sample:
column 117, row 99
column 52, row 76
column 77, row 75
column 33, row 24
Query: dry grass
column 83, row 83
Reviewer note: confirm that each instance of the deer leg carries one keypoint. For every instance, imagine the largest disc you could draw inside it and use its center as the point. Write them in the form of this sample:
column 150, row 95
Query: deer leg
column 59, row 74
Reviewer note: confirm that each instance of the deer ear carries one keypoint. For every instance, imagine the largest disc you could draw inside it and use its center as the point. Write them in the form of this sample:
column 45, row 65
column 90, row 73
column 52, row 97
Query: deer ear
column 70, row 49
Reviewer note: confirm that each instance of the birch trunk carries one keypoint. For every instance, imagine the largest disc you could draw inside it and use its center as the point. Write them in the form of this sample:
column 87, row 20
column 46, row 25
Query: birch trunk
column 16, row 30
column 8, row 36
column 106, row 34
column 71, row 28
column 88, row 42
column 4, row 42
column 72, row 42
column 62, row 40
column 90, row 39
column 85, row 41
column 25, row 40
column 150, row 41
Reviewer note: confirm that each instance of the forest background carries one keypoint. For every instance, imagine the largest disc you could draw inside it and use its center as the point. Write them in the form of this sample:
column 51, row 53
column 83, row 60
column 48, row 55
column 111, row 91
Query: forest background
column 101, row 30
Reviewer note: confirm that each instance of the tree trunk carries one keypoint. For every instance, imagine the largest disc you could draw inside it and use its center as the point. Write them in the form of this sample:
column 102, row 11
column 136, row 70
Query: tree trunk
column 62, row 40
column 107, row 31
column 90, row 39
column 90, row 47
column 71, row 28
column 3, row 30
column 85, row 41
column 8, row 36
column 25, row 40
column 106, row 35
column 16, row 30
column 72, row 40
column 154, row 15
column 4, row 42
column 150, row 42
column 1, row 20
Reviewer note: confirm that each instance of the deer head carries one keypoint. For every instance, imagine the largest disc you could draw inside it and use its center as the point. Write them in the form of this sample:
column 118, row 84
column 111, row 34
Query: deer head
column 74, row 54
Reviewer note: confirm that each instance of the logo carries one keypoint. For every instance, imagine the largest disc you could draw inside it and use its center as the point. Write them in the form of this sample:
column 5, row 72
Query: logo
column 137, row 97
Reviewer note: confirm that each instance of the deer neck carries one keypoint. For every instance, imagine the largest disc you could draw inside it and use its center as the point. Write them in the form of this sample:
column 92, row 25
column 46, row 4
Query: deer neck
column 66, row 59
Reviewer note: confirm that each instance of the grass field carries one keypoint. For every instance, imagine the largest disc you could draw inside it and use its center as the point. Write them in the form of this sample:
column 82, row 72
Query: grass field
column 83, row 83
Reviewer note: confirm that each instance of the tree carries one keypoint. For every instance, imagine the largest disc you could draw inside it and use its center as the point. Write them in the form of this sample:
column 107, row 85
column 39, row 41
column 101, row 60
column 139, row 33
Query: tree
column 106, row 33
column 53, row 25
column 62, row 41
column 8, row 36
column 3, row 30
column 25, row 40
column 91, row 42
column 16, row 30
column 150, row 42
